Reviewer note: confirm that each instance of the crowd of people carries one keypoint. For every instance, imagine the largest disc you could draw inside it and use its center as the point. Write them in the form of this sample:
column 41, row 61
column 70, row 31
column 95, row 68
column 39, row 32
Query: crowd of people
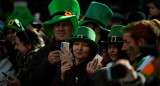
column 104, row 50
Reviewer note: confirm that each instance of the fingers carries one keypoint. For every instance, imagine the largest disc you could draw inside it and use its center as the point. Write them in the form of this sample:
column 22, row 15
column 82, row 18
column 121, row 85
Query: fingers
column 53, row 56
column 64, row 51
column 66, row 56
column 95, row 63
column 89, row 64
column 54, row 53
column 92, row 66
column 11, row 82
column 63, row 62
column 65, row 66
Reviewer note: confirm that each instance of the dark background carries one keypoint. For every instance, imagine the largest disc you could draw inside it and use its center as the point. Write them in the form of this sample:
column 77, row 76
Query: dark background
column 120, row 6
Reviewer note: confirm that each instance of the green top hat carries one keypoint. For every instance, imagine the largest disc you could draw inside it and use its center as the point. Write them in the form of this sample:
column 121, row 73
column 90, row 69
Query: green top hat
column 85, row 34
column 98, row 13
column 61, row 10
column 116, row 35
column 22, row 14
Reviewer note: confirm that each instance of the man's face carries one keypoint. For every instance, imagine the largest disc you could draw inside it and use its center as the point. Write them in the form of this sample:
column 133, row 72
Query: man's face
column 62, row 30
column 129, row 45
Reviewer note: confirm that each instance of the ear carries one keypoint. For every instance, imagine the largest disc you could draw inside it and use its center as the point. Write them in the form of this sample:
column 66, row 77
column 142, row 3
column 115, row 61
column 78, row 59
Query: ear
column 141, row 41
column 29, row 46
column 97, row 30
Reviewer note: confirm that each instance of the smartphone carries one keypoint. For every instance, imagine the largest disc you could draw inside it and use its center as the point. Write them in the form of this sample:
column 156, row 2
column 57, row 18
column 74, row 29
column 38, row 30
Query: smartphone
column 99, row 59
column 10, row 78
column 65, row 45
column 53, row 48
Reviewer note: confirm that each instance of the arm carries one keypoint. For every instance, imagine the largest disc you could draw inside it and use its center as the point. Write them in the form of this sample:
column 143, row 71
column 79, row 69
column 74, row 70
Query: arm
column 40, row 71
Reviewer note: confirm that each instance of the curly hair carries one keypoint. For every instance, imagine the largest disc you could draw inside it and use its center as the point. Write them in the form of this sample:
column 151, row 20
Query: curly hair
column 30, row 36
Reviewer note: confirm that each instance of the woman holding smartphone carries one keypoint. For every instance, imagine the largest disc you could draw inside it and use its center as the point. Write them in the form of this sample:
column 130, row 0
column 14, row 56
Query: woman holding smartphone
column 73, row 65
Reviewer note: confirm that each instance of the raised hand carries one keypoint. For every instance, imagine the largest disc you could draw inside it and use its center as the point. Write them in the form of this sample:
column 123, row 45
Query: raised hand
column 92, row 66
column 53, row 56
column 65, row 66
column 14, row 82
column 66, row 56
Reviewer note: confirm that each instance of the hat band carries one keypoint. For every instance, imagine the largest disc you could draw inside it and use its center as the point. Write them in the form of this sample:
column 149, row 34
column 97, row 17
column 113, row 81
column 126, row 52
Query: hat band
column 80, row 36
column 66, row 13
column 86, row 18
column 115, row 39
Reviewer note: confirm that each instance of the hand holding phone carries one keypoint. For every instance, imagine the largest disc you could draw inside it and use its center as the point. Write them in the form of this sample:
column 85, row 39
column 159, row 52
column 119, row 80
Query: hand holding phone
column 65, row 45
column 99, row 59
column 10, row 78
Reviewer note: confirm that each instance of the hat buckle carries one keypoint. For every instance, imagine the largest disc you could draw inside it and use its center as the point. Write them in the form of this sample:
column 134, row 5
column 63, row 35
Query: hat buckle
column 79, row 36
column 113, row 38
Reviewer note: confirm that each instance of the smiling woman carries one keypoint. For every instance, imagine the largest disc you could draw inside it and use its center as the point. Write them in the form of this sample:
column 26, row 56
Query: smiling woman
column 84, row 48
column 81, row 51
column 114, row 44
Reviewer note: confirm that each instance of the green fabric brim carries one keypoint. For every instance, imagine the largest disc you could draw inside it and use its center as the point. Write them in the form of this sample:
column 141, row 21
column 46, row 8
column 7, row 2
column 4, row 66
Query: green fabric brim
column 13, row 27
column 93, row 45
column 109, row 42
column 9, row 26
column 48, row 25
column 86, row 21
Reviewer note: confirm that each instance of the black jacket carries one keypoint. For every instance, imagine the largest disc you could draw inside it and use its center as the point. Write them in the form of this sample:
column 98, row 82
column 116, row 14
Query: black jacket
column 40, row 72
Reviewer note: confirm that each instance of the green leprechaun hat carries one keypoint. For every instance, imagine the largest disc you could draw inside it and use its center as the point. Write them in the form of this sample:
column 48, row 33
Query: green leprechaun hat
column 62, row 10
column 22, row 14
column 87, row 35
column 98, row 13
column 116, row 35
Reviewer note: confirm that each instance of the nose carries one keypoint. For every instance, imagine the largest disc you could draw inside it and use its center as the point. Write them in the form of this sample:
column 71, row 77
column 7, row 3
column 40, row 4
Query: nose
column 124, row 47
column 9, row 34
column 80, row 47
column 15, row 47
column 111, row 49
column 61, row 27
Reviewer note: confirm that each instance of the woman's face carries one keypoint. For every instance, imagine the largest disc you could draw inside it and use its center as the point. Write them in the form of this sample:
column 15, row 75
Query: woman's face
column 20, row 46
column 81, row 51
column 153, row 10
column 113, row 51
column 11, row 35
